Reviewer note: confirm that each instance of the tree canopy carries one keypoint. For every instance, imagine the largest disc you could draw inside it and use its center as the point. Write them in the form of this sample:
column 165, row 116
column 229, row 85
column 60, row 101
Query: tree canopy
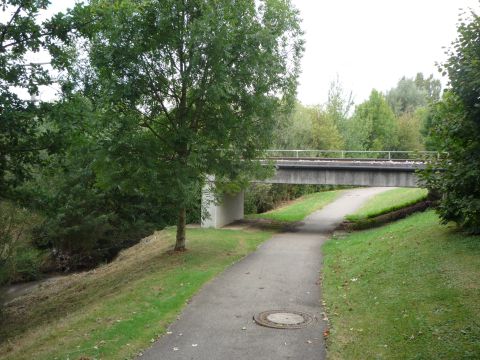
column 373, row 126
column 21, row 134
column 456, row 131
column 200, row 82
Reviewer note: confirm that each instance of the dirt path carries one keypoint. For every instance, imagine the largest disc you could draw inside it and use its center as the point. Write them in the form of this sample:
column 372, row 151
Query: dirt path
column 282, row 274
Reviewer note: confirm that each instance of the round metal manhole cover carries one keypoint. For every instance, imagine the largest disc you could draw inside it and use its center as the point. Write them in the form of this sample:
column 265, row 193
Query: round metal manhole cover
column 283, row 319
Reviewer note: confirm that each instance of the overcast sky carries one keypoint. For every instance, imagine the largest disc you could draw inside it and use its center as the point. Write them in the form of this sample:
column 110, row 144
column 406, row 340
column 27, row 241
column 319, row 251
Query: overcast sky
column 373, row 43
column 367, row 44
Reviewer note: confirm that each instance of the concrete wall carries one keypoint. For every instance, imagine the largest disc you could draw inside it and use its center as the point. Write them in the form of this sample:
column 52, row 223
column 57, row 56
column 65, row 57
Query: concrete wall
column 356, row 177
column 215, row 215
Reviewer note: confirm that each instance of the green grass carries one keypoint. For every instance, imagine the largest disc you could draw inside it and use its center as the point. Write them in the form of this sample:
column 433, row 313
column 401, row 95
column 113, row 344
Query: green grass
column 118, row 309
column 409, row 290
column 388, row 201
column 300, row 208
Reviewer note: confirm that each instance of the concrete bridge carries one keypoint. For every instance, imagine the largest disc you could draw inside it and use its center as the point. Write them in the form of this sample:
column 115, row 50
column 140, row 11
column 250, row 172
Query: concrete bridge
column 394, row 168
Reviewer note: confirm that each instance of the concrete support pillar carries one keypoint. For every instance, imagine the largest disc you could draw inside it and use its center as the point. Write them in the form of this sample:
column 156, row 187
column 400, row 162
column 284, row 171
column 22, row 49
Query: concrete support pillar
column 217, row 214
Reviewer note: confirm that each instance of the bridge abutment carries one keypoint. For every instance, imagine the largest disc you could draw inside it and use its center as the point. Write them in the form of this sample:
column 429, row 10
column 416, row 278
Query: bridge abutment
column 223, row 211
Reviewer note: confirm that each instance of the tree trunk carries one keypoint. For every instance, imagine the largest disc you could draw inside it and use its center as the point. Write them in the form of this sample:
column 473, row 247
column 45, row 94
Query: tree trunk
column 181, row 224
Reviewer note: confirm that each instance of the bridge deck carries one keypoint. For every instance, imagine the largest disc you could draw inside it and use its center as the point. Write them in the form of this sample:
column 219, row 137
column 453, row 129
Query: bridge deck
column 350, row 164
column 361, row 172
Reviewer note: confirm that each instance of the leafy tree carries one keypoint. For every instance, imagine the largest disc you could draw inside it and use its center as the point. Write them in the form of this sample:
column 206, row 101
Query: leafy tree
column 326, row 135
column 373, row 125
column 319, row 127
column 456, row 131
column 22, row 135
column 410, row 100
column 338, row 106
column 430, row 86
column 85, row 222
column 294, row 129
column 406, row 96
column 410, row 130
column 191, row 87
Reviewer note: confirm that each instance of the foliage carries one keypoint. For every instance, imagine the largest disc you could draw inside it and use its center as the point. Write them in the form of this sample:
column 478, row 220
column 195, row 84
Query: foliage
column 326, row 135
column 456, row 131
column 406, row 97
column 176, row 91
column 456, row 175
column 22, row 134
column 19, row 260
column 410, row 127
column 408, row 290
column 373, row 125
column 338, row 106
column 300, row 208
column 260, row 198
column 294, row 129
column 411, row 94
column 431, row 87
column 316, row 127
column 411, row 100
column 86, row 220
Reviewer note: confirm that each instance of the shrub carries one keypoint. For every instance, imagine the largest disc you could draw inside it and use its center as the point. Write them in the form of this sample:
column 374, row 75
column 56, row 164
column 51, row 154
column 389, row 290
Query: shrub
column 19, row 261
column 260, row 197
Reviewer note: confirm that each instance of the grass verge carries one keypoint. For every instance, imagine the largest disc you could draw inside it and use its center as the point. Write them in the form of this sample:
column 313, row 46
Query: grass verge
column 299, row 208
column 116, row 310
column 409, row 290
column 388, row 201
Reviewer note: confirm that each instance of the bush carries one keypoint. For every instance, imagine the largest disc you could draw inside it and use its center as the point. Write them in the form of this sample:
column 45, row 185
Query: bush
column 456, row 176
column 86, row 225
column 457, row 129
column 19, row 261
column 260, row 197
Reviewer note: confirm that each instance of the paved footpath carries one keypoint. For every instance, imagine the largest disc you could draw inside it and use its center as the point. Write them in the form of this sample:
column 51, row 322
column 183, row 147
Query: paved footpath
column 282, row 274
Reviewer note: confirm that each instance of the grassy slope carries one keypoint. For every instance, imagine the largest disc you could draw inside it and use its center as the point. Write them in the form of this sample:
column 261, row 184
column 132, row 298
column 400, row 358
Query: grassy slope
column 116, row 310
column 389, row 201
column 409, row 290
column 300, row 208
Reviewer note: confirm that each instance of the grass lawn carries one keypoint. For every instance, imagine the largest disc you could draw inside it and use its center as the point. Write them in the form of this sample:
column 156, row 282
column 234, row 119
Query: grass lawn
column 409, row 290
column 120, row 308
column 299, row 208
column 388, row 201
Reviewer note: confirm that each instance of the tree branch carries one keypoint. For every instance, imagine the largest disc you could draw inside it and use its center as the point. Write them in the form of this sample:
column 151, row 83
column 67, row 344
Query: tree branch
column 15, row 14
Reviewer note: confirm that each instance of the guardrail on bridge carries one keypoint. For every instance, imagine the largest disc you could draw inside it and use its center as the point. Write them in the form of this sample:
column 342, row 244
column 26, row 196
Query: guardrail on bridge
column 355, row 154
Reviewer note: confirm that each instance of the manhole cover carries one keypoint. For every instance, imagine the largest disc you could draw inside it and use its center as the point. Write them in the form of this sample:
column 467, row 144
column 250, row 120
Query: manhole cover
column 283, row 319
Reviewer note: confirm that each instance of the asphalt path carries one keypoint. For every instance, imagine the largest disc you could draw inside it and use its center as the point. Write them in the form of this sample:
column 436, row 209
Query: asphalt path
column 283, row 274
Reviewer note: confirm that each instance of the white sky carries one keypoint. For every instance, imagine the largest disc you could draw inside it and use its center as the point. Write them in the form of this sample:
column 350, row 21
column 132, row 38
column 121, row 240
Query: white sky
column 367, row 43
column 373, row 43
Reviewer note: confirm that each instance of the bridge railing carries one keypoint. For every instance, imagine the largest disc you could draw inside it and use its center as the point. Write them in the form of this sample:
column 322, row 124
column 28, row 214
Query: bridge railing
column 354, row 154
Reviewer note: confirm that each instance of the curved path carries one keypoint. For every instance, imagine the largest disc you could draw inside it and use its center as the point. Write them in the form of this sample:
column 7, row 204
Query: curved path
column 282, row 274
